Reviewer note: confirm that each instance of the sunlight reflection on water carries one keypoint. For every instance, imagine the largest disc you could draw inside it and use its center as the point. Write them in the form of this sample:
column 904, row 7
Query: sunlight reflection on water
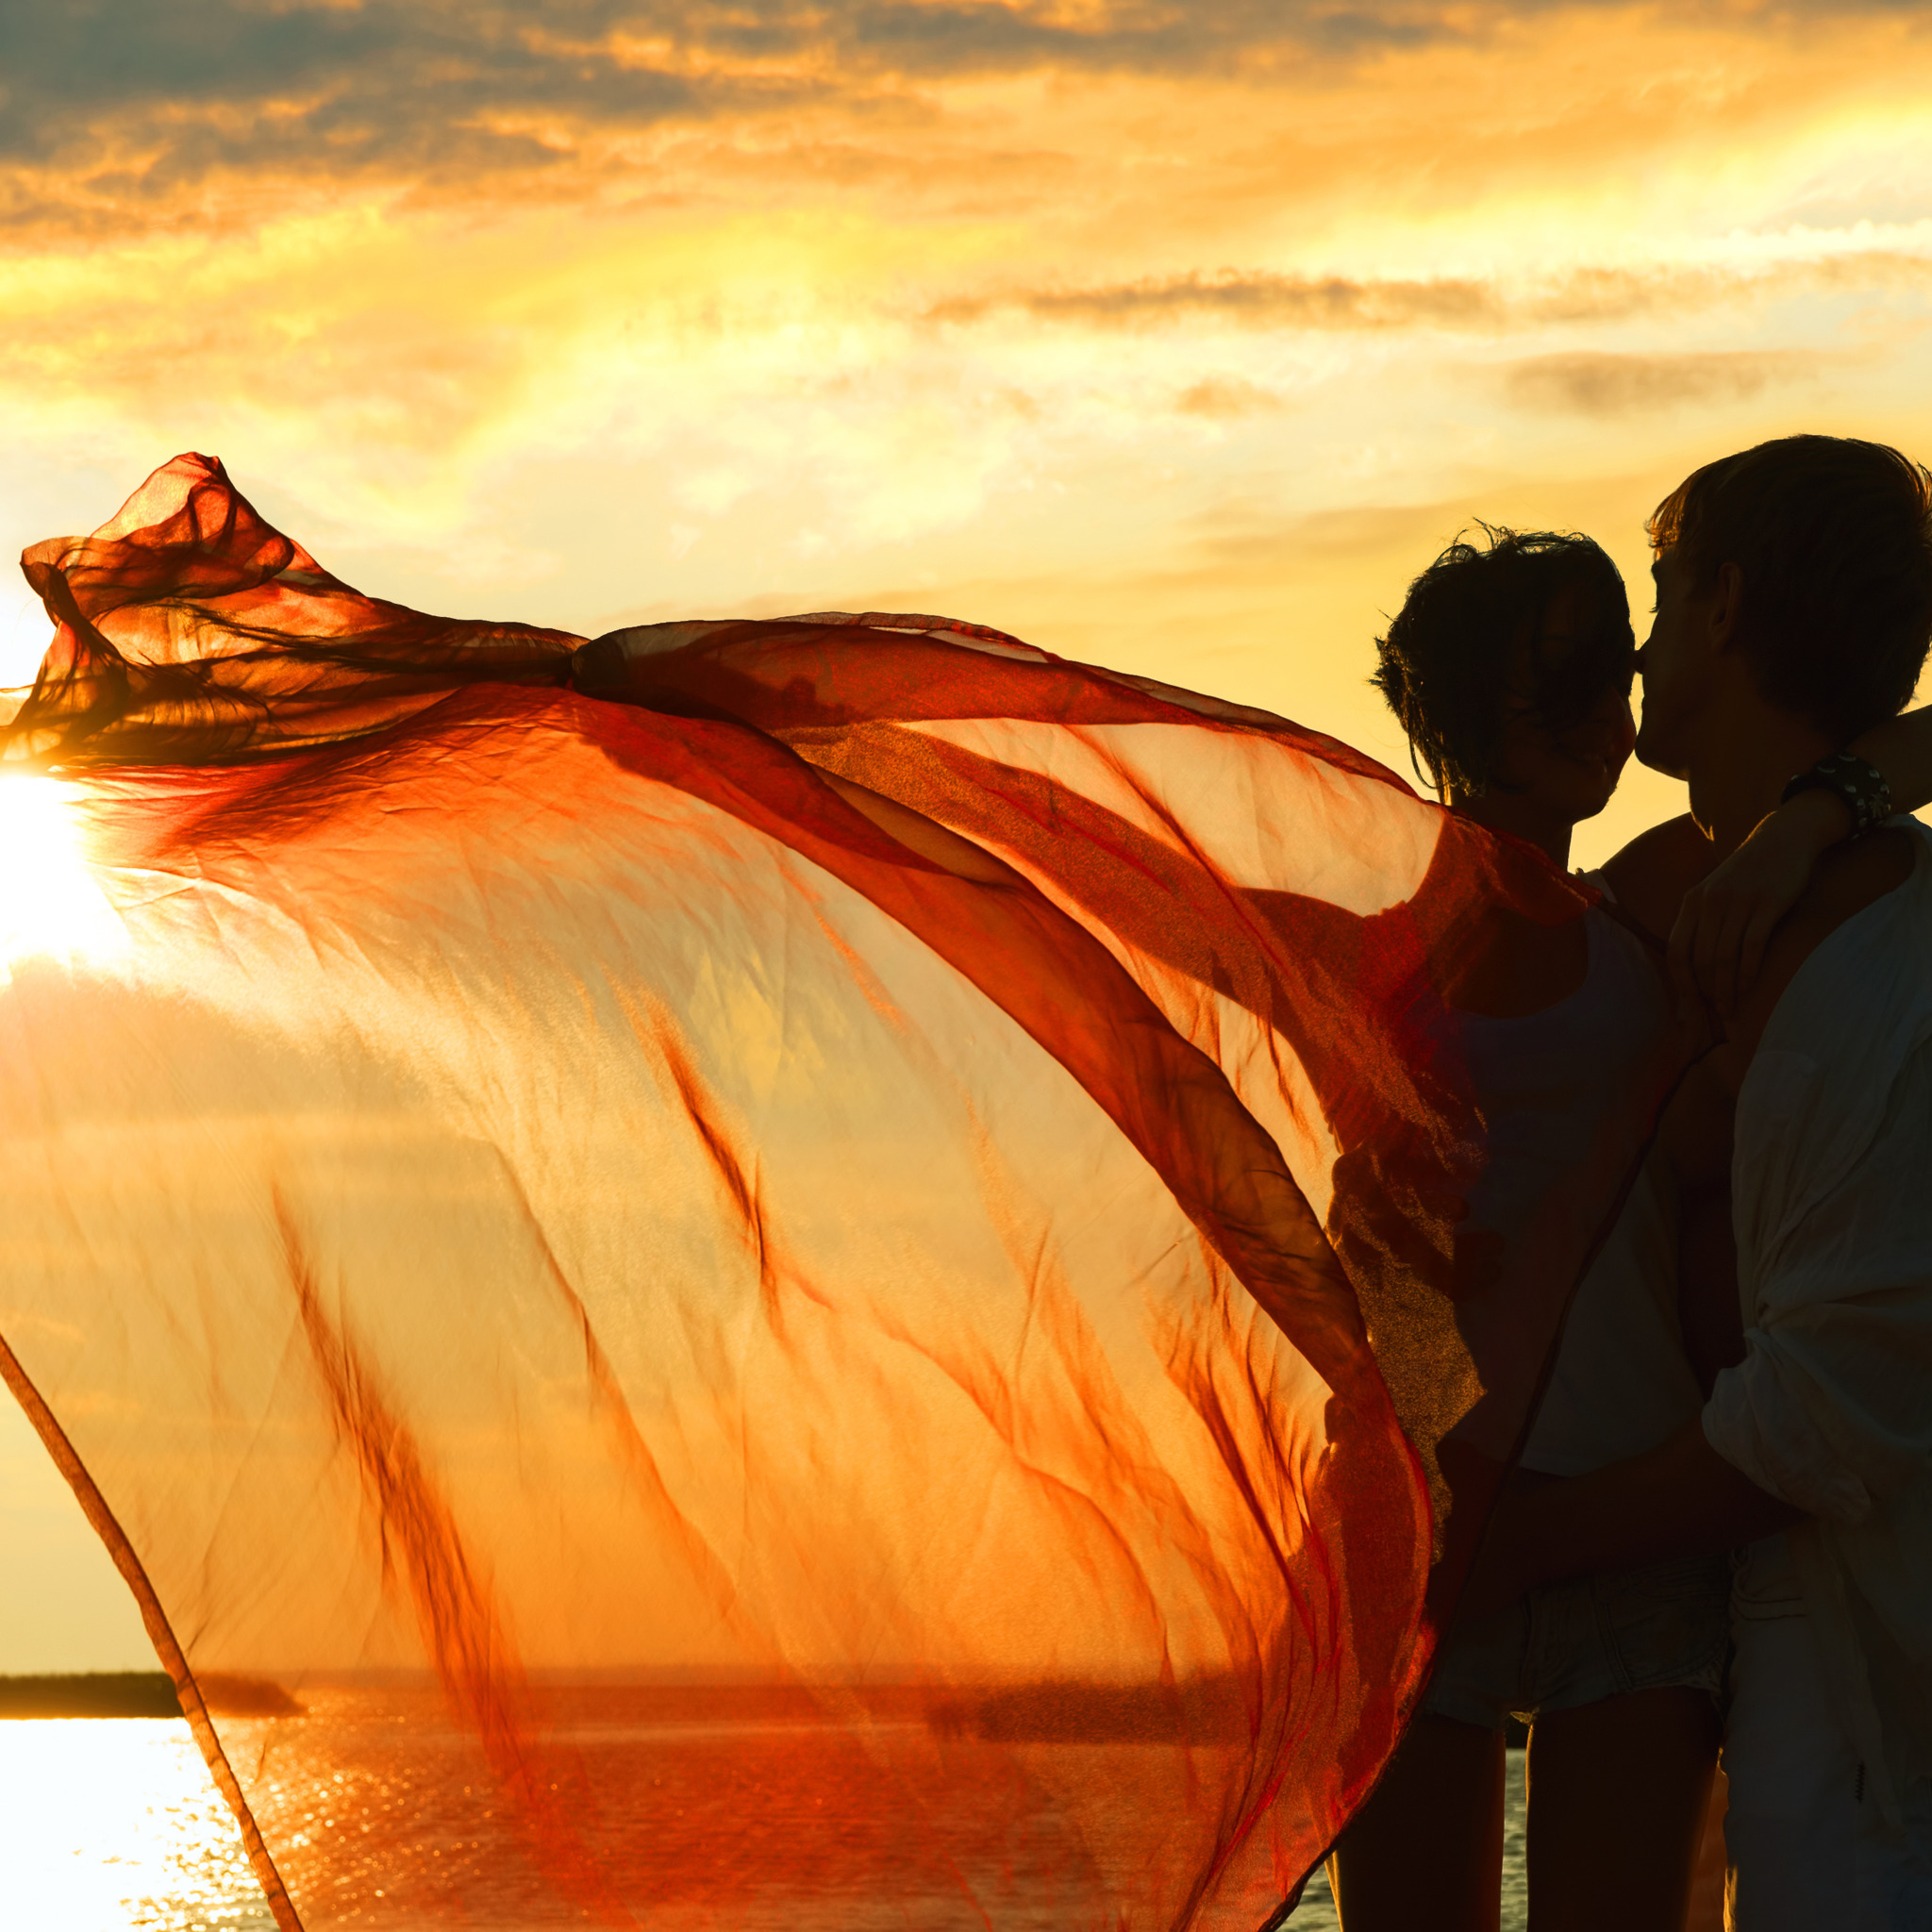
column 112, row 1825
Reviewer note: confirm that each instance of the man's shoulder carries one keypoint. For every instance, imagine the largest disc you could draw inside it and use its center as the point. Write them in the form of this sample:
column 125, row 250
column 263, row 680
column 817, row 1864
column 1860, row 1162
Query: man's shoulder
column 1651, row 875
column 1849, row 878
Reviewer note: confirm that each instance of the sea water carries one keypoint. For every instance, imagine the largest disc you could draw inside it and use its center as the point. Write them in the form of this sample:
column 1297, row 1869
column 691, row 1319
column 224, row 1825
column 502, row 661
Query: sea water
column 111, row 1825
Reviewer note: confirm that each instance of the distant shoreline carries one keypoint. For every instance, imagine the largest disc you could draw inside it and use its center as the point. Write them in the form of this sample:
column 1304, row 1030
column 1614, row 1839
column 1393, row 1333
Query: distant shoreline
column 93, row 1694
column 137, row 1693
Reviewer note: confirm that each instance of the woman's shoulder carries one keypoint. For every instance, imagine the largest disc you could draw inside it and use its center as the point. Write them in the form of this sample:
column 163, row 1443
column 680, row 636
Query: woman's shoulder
column 1651, row 875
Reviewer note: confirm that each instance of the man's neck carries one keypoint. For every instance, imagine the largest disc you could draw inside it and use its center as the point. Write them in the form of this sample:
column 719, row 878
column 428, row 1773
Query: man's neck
column 1751, row 750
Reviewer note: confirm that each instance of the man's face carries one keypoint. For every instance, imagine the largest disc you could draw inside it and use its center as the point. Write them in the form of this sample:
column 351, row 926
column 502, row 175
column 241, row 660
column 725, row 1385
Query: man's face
column 1674, row 665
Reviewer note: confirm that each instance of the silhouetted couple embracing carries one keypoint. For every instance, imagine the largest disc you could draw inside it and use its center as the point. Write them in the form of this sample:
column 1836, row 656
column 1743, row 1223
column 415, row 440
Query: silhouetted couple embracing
column 1720, row 1533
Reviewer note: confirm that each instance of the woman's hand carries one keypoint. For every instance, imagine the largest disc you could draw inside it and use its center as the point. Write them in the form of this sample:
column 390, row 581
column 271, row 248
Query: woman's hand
column 1718, row 941
column 1498, row 1575
column 1506, row 1562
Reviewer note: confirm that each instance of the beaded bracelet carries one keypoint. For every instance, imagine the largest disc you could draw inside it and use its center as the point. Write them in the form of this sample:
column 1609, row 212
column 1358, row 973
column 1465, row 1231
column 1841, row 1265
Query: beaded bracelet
column 1856, row 780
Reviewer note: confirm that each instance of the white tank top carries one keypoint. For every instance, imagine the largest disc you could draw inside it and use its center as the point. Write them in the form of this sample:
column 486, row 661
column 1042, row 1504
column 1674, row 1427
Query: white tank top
column 1621, row 1383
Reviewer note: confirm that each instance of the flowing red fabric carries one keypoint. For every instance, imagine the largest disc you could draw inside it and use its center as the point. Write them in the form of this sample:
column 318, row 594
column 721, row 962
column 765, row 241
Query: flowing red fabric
column 763, row 1274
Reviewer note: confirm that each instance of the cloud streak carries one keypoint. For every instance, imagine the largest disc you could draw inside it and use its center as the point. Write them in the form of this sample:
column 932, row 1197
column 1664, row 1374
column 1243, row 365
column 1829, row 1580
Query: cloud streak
column 333, row 82
column 152, row 95
column 1612, row 385
column 131, row 106
column 1256, row 298
column 1264, row 299
column 125, row 104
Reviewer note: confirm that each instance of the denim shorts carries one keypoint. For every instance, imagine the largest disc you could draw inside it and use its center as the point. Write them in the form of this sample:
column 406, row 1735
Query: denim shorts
column 1577, row 1642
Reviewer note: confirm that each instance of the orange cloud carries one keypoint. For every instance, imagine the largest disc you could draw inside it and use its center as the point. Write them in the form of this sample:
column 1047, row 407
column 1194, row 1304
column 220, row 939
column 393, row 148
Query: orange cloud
column 1224, row 397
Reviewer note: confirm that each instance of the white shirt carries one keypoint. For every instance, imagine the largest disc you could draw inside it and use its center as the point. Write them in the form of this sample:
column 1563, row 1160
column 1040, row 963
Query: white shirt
column 1831, row 1408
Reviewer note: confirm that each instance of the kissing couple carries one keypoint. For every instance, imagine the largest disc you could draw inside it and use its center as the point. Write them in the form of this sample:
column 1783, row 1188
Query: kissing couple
column 1719, row 1532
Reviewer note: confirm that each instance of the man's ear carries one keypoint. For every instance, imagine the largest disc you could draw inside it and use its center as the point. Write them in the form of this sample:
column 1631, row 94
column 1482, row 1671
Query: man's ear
column 1727, row 607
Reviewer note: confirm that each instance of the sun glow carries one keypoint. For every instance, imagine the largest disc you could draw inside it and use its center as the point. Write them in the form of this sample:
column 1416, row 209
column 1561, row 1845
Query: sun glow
column 51, row 905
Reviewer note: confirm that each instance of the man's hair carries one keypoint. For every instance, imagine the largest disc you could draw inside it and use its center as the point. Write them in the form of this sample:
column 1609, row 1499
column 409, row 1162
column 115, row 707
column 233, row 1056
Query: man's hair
column 1833, row 539
column 1453, row 645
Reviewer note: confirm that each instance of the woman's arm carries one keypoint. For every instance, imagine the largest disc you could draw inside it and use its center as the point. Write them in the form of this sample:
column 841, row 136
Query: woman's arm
column 1902, row 750
column 1681, row 1499
column 1651, row 875
column 1717, row 942
column 1693, row 1162
column 1708, row 1311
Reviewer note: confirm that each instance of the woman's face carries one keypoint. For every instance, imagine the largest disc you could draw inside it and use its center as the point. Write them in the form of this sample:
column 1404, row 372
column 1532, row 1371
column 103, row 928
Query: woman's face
column 1569, row 773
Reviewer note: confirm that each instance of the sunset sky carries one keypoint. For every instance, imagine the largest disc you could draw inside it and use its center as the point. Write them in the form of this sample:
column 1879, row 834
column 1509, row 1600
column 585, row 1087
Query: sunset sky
column 1172, row 337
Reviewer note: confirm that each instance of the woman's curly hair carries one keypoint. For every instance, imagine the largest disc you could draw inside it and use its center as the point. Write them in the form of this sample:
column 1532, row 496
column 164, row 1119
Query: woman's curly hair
column 1459, row 636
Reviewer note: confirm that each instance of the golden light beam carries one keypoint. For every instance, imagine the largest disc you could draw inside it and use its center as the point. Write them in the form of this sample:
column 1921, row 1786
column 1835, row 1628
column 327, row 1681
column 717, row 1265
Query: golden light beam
column 50, row 903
